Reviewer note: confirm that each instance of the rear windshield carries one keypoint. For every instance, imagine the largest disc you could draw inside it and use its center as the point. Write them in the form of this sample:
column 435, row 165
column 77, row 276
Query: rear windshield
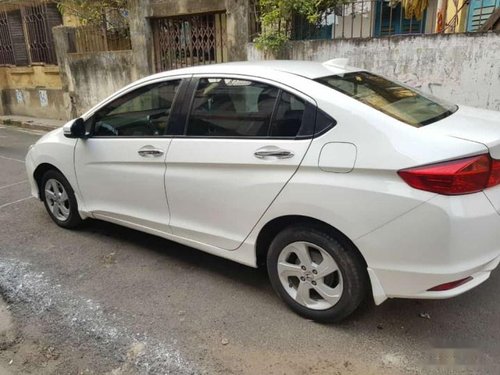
column 401, row 102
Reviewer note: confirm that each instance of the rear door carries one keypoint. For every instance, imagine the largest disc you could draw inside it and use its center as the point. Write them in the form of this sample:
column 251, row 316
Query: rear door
column 243, row 140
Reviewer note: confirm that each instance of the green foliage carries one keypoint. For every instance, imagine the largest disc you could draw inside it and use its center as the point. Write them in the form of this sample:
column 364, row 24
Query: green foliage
column 92, row 12
column 276, row 19
column 273, row 41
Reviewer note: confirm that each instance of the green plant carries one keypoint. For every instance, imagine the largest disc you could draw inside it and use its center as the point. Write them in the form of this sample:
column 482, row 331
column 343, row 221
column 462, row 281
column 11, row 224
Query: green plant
column 91, row 12
column 276, row 18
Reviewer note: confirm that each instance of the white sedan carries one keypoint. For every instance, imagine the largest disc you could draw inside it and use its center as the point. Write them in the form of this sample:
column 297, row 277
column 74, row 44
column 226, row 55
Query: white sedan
column 339, row 181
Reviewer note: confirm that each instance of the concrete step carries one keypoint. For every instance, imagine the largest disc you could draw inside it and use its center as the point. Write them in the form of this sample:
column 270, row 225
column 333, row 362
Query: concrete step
column 31, row 122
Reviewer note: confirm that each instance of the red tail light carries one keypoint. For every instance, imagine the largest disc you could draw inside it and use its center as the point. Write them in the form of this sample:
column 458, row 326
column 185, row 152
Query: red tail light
column 451, row 285
column 462, row 176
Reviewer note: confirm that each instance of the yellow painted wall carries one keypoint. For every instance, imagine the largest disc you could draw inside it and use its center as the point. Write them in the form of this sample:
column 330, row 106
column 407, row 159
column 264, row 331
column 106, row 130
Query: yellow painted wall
column 451, row 11
column 3, row 77
column 26, row 77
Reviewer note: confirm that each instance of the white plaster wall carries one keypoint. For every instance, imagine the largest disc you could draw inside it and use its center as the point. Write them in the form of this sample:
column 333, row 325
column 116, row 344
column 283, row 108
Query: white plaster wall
column 462, row 68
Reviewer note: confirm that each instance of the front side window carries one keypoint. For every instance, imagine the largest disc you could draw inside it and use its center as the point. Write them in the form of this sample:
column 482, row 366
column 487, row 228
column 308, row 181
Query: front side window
column 142, row 112
column 391, row 98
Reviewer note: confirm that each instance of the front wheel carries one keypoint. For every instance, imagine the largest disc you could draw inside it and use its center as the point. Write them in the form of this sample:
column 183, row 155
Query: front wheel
column 317, row 276
column 59, row 200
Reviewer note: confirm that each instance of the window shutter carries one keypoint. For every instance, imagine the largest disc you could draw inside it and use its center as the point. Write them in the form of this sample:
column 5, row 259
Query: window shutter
column 53, row 19
column 479, row 12
column 6, row 54
column 17, row 36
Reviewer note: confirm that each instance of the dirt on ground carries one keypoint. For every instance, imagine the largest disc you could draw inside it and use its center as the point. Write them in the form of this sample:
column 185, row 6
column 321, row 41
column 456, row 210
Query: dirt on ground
column 23, row 352
column 23, row 355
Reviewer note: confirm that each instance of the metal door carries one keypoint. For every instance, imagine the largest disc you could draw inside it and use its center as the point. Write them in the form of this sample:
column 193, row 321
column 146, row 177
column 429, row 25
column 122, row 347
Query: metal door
column 189, row 40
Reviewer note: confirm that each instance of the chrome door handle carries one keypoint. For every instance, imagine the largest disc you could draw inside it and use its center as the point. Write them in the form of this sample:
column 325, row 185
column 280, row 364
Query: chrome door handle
column 150, row 152
column 273, row 153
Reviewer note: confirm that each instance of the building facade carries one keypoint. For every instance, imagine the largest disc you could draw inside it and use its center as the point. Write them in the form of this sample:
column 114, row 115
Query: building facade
column 52, row 66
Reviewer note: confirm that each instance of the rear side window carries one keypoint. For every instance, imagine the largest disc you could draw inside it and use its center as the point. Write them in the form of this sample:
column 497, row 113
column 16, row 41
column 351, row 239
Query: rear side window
column 224, row 107
column 398, row 101
column 231, row 108
column 289, row 116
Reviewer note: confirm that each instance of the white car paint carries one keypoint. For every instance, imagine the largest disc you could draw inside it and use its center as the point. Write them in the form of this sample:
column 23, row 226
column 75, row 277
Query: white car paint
column 216, row 196
column 118, row 180
column 227, row 187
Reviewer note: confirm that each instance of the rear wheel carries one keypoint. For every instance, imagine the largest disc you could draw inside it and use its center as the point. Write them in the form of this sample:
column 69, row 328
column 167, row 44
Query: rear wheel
column 59, row 200
column 317, row 276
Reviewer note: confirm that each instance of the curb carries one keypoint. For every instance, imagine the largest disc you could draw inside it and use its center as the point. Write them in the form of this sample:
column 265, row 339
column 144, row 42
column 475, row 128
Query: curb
column 27, row 125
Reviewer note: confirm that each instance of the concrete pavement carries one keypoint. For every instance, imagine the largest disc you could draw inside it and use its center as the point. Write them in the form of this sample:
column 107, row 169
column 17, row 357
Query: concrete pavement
column 32, row 123
column 109, row 300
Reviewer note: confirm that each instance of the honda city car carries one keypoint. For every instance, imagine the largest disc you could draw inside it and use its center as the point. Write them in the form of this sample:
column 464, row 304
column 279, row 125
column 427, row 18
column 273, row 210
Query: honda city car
column 342, row 183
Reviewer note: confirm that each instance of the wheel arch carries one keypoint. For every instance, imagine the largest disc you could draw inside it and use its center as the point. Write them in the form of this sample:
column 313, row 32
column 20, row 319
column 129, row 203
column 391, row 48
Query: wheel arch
column 276, row 225
column 38, row 173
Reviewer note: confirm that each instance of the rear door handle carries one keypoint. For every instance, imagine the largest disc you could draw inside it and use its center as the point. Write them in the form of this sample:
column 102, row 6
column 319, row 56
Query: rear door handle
column 150, row 152
column 273, row 152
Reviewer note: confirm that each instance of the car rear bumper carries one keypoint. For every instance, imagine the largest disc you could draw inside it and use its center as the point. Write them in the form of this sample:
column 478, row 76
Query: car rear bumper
column 443, row 240
column 420, row 281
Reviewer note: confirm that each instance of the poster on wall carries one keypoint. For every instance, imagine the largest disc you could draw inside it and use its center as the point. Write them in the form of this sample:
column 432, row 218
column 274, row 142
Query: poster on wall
column 44, row 101
column 19, row 97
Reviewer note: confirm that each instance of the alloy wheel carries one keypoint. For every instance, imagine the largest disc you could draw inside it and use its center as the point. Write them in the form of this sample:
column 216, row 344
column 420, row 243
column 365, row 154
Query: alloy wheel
column 310, row 275
column 57, row 199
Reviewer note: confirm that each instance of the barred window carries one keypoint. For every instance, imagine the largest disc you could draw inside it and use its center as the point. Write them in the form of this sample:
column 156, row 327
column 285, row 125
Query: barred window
column 39, row 20
column 26, row 34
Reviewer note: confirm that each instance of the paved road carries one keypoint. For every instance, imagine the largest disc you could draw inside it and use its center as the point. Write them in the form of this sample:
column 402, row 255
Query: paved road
column 105, row 299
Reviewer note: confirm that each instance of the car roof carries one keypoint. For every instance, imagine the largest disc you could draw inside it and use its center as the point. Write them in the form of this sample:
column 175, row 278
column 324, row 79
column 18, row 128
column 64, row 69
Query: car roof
column 268, row 68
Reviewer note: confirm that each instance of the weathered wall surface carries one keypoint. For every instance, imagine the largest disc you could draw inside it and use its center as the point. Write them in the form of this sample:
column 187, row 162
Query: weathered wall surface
column 88, row 78
column 34, row 91
column 41, row 103
column 95, row 76
column 463, row 68
column 141, row 37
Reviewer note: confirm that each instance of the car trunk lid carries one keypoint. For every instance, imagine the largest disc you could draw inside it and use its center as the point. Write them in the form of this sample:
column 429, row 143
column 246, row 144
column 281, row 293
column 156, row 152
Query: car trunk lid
column 472, row 124
column 475, row 125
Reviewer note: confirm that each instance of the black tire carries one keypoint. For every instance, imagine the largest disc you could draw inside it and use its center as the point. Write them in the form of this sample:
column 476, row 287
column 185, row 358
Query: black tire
column 73, row 220
column 349, row 261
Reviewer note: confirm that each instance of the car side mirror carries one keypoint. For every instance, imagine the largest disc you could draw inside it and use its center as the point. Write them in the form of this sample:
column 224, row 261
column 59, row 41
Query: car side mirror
column 75, row 129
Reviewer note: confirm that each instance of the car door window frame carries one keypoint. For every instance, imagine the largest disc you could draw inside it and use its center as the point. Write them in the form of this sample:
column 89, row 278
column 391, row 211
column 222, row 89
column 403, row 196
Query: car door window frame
column 310, row 106
column 175, row 115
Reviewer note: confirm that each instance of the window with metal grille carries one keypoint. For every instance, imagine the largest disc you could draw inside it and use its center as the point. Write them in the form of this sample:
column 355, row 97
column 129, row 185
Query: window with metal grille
column 39, row 20
column 12, row 43
column 6, row 51
column 302, row 29
column 189, row 40
column 390, row 20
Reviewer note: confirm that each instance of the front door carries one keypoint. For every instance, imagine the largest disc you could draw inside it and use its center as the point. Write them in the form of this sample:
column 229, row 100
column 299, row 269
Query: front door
column 241, row 145
column 121, row 166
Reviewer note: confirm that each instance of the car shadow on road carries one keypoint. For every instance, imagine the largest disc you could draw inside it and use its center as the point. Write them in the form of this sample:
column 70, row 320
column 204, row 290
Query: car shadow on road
column 191, row 257
column 464, row 319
